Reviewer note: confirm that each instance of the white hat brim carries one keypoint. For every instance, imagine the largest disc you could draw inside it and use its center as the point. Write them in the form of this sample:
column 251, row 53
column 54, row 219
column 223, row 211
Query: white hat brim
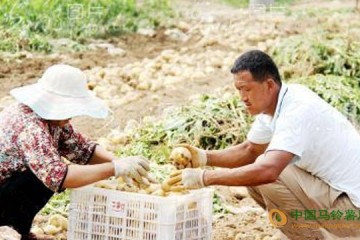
column 52, row 106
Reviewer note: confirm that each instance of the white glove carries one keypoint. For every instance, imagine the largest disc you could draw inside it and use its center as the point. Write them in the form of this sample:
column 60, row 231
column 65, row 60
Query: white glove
column 198, row 156
column 190, row 178
column 193, row 178
column 134, row 167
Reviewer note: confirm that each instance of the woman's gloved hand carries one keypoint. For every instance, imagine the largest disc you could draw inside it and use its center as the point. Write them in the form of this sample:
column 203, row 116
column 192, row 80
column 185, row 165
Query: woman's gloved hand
column 134, row 167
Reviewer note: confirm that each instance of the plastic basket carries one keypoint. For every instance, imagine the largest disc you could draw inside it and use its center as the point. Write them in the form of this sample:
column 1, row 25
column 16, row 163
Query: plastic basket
column 102, row 214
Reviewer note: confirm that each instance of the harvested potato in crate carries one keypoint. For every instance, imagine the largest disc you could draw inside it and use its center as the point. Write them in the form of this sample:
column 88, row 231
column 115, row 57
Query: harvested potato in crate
column 97, row 213
column 167, row 188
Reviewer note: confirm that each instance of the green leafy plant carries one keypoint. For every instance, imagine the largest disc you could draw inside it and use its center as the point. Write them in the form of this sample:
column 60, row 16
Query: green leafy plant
column 323, row 53
column 245, row 3
column 58, row 204
column 29, row 24
column 214, row 122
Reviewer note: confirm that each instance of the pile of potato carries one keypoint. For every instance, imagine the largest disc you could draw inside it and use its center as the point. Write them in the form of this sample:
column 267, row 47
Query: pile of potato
column 120, row 85
column 7, row 233
column 56, row 226
column 165, row 189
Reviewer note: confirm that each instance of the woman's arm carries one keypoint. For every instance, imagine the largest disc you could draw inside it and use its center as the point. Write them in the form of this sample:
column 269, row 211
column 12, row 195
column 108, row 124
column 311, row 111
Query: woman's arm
column 81, row 175
column 100, row 155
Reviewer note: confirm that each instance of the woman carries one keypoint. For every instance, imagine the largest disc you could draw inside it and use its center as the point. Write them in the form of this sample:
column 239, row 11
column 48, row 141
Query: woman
column 34, row 136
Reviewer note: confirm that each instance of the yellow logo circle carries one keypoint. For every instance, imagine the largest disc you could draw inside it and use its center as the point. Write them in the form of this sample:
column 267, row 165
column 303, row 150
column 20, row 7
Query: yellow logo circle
column 277, row 218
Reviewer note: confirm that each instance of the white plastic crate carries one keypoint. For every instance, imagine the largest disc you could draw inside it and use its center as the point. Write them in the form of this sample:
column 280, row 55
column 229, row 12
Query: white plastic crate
column 102, row 214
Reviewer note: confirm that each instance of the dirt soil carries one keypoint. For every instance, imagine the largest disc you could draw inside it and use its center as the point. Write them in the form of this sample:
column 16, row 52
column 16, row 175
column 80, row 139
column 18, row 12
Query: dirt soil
column 246, row 219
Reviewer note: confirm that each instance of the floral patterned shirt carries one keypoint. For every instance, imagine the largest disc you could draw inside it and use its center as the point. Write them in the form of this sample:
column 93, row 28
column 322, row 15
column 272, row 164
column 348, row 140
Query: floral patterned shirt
column 30, row 142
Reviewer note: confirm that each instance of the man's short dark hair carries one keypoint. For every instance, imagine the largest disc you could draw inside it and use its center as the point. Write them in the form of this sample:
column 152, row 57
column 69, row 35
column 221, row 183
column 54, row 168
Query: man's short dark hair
column 259, row 64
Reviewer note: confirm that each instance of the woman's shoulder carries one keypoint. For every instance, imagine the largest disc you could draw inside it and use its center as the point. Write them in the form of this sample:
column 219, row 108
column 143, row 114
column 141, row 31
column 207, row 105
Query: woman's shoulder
column 20, row 114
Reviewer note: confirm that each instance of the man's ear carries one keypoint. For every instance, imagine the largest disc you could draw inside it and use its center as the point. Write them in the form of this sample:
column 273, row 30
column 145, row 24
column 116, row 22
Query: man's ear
column 270, row 83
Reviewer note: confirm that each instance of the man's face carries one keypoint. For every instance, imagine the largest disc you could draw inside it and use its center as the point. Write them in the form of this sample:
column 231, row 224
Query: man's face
column 255, row 95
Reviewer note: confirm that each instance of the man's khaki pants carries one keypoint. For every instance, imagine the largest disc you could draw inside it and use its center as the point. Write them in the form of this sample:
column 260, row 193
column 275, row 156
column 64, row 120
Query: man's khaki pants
column 300, row 195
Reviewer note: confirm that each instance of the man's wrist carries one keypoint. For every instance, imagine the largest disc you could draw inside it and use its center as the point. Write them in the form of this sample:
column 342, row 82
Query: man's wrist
column 202, row 157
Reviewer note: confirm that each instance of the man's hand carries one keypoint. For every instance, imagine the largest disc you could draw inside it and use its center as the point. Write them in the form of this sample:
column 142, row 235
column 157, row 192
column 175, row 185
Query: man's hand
column 189, row 178
column 198, row 156
column 135, row 167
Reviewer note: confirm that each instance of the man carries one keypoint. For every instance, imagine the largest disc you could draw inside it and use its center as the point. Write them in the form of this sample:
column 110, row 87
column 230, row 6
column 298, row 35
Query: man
column 36, row 132
column 300, row 152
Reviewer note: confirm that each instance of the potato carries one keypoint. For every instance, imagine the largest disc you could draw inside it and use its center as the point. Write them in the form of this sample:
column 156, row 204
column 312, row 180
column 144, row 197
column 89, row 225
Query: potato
column 159, row 192
column 52, row 230
column 192, row 205
column 180, row 157
column 127, row 187
column 120, row 180
column 105, row 184
column 178, row 189
column 37, row 230
column 58, row 220
column 152, row 188
column 177, row 193
column 170, row 186
column 9, row 233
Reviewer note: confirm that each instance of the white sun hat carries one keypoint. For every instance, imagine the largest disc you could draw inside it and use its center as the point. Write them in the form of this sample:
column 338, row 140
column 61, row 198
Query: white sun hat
column 61, row 93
